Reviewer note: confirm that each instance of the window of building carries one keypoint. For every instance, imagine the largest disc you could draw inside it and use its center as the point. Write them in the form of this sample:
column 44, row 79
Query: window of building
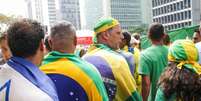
column 175, row 17
column 182, row 25
column 175, row 26
column 186, row 15
column 182, row 15
column 189, row 14
column 172, row 18
column 189, row 23
column 179, row 26
column 174, row 5
column 168, row 19
column 189, row 3
column 178, row 17
column 182, row 4
column 178, row 7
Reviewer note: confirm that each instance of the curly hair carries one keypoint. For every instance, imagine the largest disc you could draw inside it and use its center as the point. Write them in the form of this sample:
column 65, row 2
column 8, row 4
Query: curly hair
column 24, row 37
column 185, row 83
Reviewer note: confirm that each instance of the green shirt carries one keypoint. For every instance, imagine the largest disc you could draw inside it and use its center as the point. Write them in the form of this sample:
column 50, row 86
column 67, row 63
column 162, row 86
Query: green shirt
column 153, row 60
column 161, row 97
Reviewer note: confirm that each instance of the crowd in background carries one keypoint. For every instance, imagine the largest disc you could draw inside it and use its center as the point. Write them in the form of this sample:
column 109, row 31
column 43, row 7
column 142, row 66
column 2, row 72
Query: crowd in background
column 39, row 67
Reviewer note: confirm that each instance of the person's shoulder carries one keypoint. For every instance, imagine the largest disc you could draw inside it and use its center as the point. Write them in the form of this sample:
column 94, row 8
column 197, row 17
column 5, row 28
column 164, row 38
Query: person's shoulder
column 5, row 69
column 198, row 45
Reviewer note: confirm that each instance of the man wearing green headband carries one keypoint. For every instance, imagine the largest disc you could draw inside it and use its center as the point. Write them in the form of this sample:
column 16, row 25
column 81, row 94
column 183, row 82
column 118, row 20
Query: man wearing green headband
column 118, row 80
column 153, row 60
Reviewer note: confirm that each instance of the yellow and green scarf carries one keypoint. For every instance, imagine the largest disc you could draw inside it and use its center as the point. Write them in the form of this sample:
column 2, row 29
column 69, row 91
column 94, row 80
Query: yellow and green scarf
column 186, row 54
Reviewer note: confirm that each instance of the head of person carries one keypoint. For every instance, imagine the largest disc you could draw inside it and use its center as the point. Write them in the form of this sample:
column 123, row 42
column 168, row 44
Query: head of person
column 182, row 76
column 63, row 37
column 196, row 36
column 156, row 32
column 108, row 32
column 126, row 40
column 47, row 46
column 135, row 40
column 25, row 39
column 4, row 47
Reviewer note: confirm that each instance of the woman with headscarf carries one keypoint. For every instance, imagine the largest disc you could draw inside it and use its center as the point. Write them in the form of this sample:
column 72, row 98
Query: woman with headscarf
column 181, row 81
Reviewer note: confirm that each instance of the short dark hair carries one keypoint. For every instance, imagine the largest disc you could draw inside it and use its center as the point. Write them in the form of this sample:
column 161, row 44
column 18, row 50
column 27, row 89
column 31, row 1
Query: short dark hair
column 127, row 37
column 156, row 31
column 24, row 37
column 166, row 39
column 46, row 43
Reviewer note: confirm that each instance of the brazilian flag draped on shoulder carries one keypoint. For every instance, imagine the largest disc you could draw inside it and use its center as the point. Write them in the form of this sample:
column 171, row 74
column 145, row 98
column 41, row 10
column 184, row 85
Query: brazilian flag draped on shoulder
column 118, row 80
column 79, row 70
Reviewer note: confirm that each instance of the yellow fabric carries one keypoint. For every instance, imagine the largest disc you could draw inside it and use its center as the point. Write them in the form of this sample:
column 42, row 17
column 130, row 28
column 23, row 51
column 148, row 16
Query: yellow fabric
column 137, row 77
column 125, row 82
column 123, row 88
column 75, row 73
column 190, row 51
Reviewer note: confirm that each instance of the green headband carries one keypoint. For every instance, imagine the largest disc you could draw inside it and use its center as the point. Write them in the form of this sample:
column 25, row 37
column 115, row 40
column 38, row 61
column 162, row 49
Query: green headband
column 103, row 25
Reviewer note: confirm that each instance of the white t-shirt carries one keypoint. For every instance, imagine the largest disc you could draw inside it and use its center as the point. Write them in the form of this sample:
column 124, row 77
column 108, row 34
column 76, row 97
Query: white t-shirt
column 198, row 46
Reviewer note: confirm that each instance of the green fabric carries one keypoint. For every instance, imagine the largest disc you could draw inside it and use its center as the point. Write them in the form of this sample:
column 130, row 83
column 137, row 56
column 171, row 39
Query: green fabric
column 91, row 70
column 178, row 51
column 186, row 54
column 102, row 22
column 135, row 96
column 145, row 42
column 181, row 33
column 161, row 97
column 153, row 60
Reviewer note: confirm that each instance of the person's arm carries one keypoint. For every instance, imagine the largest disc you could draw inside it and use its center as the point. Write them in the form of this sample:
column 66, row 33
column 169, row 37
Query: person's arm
column 145, row 87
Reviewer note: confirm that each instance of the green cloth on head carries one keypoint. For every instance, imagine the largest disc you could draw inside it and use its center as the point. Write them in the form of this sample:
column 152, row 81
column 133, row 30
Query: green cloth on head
column 186, row 54
column 104, row 24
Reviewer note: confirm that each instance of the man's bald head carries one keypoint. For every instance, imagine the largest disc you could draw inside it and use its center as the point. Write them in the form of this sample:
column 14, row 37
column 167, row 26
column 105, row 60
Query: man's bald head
column 63, row 37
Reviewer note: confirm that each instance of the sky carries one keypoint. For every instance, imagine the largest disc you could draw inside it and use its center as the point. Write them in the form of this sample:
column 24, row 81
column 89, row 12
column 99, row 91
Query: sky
column 13, row 7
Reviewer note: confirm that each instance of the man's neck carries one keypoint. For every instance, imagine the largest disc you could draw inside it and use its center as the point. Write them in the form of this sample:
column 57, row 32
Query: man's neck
column 32, row 60
column 157, row 43
column 68, row 51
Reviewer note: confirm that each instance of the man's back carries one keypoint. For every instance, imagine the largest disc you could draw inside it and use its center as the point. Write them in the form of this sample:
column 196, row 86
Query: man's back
column 74, row 78
column 152, row 63
column 115, row 72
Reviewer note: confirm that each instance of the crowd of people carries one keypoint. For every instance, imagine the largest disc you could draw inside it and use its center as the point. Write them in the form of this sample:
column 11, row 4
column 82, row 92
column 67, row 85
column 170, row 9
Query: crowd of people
column 39, row 67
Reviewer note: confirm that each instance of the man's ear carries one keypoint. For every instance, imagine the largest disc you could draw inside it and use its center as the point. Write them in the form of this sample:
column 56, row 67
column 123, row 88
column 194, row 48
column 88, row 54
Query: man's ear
column 75, row 40
column 105, row 35
column 50, row 42
column 42, row 45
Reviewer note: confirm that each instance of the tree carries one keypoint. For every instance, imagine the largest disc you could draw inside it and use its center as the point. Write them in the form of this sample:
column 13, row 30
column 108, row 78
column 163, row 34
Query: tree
column 5, row 21
column 141, row 29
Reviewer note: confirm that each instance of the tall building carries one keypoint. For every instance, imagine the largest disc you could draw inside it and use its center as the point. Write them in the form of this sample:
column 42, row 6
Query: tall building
column 35, row 10
column 44, row 11
column 128, row 12
column 92, row 11
column 146, row 9
column 52, row 11
column 70, row 11
column 175, row 14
